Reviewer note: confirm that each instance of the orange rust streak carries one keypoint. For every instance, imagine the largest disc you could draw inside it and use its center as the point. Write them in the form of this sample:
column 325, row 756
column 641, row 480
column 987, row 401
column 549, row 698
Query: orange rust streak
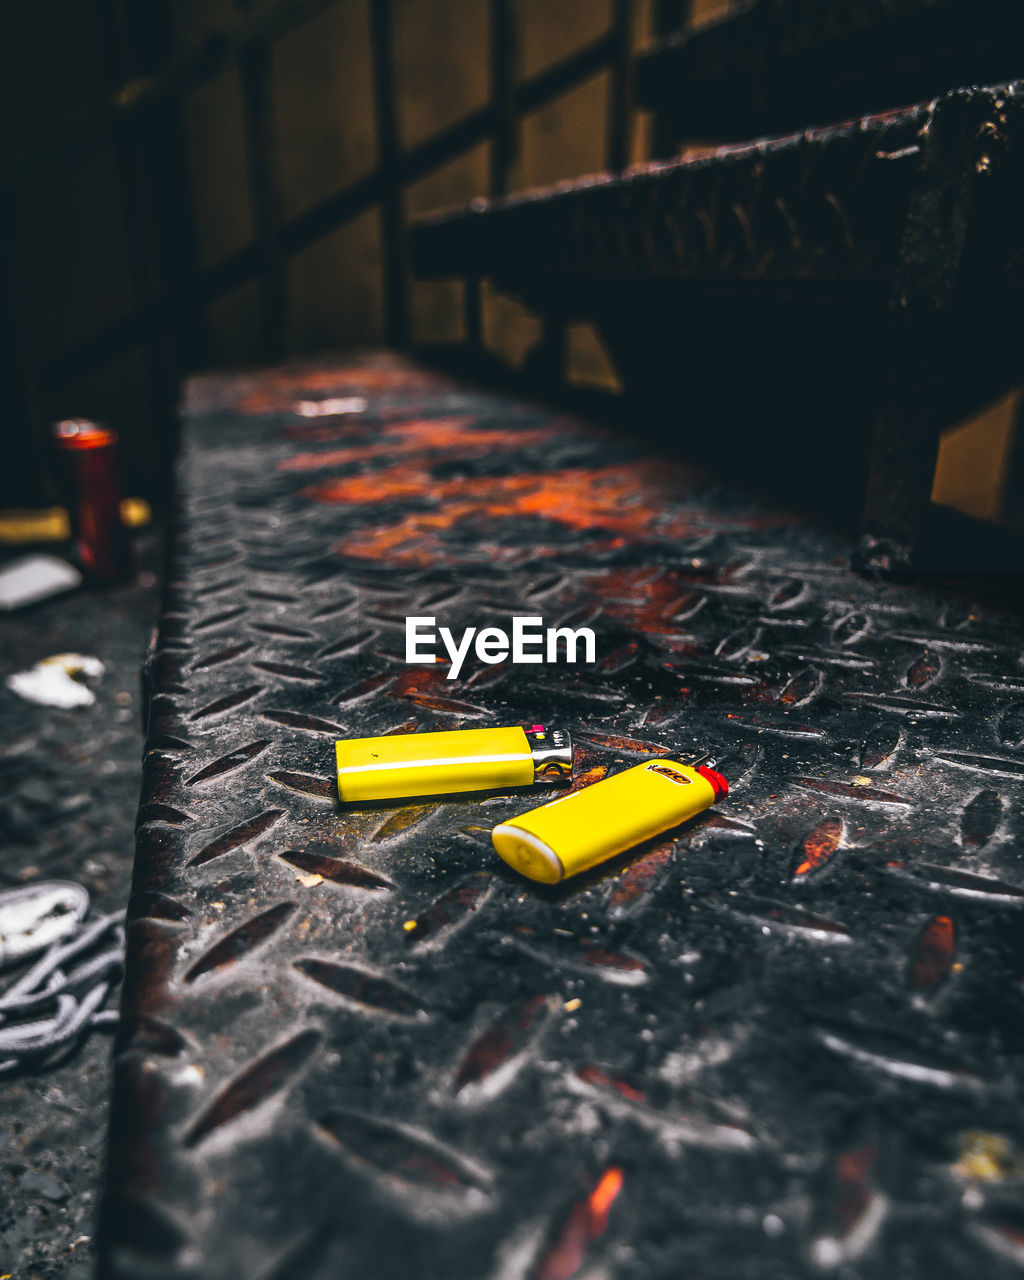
column 420, row 680
column 922, row 671
column 639, row 877
column 591, row 775
column 646, row 601
column 819, row 845
column 583, row 498
column 594, row 1075
column 434, row 703
column 603, row 1196
column 934, row 953
column 853, row 1193
column 619, row 502
column 620, row 743
column 611, row 499
column 587, row 1220
column 421, row 437
column 854, row 1166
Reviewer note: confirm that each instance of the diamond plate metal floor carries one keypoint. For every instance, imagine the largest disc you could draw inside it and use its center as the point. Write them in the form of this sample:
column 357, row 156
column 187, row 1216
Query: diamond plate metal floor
column 784, row 1041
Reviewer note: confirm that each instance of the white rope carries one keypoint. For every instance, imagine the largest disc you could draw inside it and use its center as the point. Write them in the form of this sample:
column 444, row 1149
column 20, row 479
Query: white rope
column 59, row 998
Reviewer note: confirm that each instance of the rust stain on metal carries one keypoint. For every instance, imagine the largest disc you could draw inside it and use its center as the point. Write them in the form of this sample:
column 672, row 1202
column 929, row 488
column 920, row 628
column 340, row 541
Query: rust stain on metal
column 500, row 1042
column 849, row 792
column 601, row 1079
column 934, row 953
column 625, row 500
column 641, row 876
column 449, row 909
column 587, row 1222
column 818, row 846
column 263, row 1078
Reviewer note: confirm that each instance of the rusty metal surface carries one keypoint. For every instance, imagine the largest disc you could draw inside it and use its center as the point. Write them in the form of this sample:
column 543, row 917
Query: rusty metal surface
column 784, row 1041
column 773, row 65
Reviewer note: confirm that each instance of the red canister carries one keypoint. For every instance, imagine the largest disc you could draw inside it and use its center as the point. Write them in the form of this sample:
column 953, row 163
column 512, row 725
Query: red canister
column 92, row 492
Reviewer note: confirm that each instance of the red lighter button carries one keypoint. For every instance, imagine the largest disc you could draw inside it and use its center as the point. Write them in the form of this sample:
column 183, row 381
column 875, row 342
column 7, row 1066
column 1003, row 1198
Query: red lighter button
column 720, row 785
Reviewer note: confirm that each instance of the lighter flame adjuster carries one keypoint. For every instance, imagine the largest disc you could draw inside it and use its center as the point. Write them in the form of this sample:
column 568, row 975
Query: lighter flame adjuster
column 429, row 764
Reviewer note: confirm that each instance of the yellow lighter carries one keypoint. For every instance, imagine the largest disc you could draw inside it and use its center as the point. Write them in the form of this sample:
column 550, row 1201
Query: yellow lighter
column 431, row 764
column 577, row 831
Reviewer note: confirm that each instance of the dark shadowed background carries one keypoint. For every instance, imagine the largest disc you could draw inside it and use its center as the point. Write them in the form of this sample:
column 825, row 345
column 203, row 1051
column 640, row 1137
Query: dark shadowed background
column 193, row 183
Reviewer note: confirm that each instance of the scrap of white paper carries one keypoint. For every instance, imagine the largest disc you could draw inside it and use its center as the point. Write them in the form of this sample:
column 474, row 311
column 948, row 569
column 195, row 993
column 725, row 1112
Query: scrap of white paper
column 34, row 578
column 51, row 682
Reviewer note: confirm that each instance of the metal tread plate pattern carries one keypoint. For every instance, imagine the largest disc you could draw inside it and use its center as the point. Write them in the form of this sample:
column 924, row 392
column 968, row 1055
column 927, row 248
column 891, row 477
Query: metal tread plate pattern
column 824, row 204
column 783, row 1040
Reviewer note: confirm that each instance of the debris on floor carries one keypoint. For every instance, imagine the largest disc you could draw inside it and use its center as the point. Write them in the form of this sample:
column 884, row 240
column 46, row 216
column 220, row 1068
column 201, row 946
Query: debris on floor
column 34, row 918
column 30, row 579
column 57, row 681
column 58, row 999
column 67, row 808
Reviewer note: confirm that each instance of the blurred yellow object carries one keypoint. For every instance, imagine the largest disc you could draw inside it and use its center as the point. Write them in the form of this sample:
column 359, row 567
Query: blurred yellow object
column 974, row 460
column 987, row 1157
column 19, row 526
column 136, row 513
column 431, row 764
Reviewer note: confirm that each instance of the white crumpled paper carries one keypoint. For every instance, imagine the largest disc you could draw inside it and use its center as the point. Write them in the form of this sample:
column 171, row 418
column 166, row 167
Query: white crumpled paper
column 53, row 683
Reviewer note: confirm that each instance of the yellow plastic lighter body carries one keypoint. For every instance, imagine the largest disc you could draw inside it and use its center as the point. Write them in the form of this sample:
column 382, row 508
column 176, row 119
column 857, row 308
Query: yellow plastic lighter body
column 577, row 831
column 431, row 764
